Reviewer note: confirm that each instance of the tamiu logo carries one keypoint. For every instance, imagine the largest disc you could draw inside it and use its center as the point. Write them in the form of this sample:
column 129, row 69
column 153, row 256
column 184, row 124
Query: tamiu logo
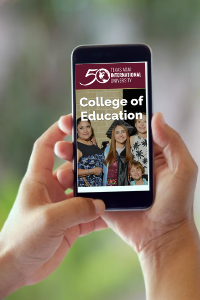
column 101, row 75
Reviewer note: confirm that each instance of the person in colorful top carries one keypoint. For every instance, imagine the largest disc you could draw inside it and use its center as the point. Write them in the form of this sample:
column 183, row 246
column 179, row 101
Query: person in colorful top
column 117, row 155
column 90, row 156
column 136, row 171
column 139, row 144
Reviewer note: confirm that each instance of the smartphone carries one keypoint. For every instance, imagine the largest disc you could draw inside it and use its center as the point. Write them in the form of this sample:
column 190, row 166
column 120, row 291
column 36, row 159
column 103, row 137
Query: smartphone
column 112, row 101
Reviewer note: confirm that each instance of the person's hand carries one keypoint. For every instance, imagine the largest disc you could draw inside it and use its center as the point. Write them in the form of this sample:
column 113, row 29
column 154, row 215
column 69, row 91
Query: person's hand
column 45, row 222
column 96, row 171
column 94, row 142
column 165, row 236
column 175, row 180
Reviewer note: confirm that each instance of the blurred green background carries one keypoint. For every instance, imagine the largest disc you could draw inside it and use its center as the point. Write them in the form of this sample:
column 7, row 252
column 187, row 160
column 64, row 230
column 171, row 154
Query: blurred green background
column 36, row 41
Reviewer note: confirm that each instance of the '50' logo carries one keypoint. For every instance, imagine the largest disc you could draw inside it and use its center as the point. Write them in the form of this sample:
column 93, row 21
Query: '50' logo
column 101, row 75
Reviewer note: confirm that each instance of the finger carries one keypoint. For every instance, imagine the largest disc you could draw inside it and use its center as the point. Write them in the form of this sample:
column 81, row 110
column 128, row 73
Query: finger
column 75, row 232
column 157, row 150
column 159, row 158
column 65, row 178
column 65, row 175
column 159, row 161
column 65, row 124
column 175, row 151
column 67, row 196
column 70, row 195
column 42, row 157
column 98, row 224
column 69, row 238
column 66, row 165
column 64, row 150
column 71, row 212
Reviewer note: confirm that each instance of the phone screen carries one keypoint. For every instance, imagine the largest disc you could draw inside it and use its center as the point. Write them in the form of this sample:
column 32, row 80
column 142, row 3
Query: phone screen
column 112, row 106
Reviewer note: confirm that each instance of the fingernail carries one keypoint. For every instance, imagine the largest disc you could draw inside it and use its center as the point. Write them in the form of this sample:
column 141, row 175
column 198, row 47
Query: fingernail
column 60, row 124
column 99, row 206
column 162, row 120
column 55, row 149
column 65, row 127
column 58, row 174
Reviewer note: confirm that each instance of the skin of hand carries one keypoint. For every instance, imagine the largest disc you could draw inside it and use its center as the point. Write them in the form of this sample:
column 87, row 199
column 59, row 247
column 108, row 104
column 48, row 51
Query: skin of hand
column 94, row 142
column 84, row 172
column 45, row 222
column 165, row 236
column 96, row 171
column 175, row 179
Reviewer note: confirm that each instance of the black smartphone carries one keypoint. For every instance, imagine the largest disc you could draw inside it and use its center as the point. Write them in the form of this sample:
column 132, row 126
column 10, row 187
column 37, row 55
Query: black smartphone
column 112, row 101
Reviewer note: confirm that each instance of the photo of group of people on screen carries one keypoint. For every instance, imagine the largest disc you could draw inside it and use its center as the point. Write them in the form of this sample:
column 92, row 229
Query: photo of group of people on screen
column 120, row 162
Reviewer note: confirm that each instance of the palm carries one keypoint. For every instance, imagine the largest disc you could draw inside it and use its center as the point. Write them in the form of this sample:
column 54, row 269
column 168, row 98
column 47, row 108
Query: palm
column 47, row 259
column 138, row 228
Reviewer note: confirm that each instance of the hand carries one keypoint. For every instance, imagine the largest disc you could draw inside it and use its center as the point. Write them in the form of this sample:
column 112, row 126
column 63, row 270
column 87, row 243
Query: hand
column 94, row 142
column 175, row 180
column 96, row 171
column 45, row 222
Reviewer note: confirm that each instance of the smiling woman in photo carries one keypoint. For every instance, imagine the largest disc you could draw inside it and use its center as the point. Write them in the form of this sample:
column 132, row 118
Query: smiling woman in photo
column 117, row 155
column 90, row 156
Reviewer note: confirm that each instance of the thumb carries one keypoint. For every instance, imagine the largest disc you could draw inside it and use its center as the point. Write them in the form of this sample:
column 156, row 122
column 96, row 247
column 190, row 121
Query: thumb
column 171, row 145
column 74, row 211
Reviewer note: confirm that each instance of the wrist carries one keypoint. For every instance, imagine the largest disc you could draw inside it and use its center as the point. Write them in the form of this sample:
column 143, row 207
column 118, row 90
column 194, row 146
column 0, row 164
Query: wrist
column 11, row 279
column 171, row 239
column 171, row 264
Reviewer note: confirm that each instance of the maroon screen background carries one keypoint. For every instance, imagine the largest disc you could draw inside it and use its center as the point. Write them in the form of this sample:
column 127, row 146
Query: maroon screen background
column 136, row 82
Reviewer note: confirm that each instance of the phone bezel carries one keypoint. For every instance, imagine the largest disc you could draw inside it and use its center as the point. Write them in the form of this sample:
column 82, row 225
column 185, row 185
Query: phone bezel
column 115, row 54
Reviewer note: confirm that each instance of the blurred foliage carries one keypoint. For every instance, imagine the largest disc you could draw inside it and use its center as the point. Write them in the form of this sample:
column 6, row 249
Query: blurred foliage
column 38, row 91
column 170, row 19
column 8, row 192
